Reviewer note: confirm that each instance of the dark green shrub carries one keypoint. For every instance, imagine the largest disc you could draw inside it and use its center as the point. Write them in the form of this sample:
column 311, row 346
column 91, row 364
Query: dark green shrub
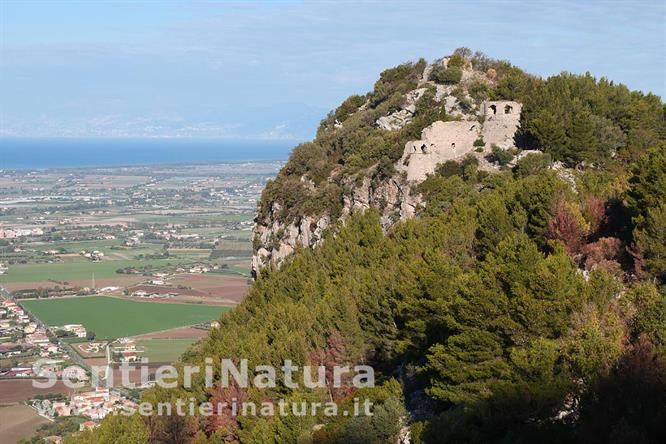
column 501, row 156
column 447, row 76
column 478, row 90
column 456, row 61
column 532, row 164
column 349, row 106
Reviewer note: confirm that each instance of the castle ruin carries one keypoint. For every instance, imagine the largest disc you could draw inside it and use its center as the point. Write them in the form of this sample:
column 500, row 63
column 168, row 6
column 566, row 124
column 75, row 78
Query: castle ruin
column 452, row 140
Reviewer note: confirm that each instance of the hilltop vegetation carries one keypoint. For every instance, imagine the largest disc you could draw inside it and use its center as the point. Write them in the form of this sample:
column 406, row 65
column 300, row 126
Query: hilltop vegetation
column 571, row 117
column 524, row 305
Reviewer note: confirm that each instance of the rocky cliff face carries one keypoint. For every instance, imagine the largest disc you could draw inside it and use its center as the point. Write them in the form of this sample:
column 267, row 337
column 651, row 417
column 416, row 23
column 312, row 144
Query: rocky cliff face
column 471, row 127
column 393, row 197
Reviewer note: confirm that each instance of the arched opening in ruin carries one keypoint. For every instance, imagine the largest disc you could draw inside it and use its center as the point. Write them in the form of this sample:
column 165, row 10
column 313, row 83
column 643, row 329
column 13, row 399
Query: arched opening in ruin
column 493, row 108
column 472, row 127
column 508, row 109
column 423, row 148
column 453, row 145
column 414, row 148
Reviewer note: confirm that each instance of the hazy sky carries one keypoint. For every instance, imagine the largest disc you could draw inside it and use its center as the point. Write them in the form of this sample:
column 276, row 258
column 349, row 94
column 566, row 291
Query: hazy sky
column 273, row 69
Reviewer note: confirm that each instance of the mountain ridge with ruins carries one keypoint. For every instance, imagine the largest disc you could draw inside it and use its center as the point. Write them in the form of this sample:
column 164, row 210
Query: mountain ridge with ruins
column 468, row 128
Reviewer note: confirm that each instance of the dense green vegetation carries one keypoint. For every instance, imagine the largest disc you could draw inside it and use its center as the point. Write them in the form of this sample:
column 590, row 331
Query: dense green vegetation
column 518, row 306
column 111, row 317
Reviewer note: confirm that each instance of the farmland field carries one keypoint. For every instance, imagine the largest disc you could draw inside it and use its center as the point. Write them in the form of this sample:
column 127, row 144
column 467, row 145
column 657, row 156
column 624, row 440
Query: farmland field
column 18, row 421
column 78, row 246
column 164, row 350
column 77, row 270
column 15, row 390
column 111, row 317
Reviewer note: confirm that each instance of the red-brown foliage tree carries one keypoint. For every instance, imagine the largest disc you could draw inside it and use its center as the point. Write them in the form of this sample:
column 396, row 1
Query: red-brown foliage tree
column 603, row 253
column 594, row 210
column 334, row 354
column 223, row 418
column 566, row 227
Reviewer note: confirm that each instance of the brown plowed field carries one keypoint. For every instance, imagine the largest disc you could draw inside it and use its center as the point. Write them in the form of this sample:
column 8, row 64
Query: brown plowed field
column 17, row 422
column 16, row 390
column 230, row 288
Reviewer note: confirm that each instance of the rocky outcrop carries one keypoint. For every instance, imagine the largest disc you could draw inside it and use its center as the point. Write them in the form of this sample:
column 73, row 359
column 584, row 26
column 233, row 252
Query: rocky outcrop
column 279, row 241
column 393, row 197
column 400, row 118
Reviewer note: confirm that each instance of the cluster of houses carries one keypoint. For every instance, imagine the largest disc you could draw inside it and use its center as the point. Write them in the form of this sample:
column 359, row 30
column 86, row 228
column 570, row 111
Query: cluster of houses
column 14, row 322
column 21, row 336
column 77, row 330
column 134, row 239
column 95, row 404
column 92, row 255
column 200, row 269
column 126, row 351
column 13, row 233
column 173, row 234
column 12, row 311
column 161, row 291
column 3, row 268
column 56, row 367
column 151, row 292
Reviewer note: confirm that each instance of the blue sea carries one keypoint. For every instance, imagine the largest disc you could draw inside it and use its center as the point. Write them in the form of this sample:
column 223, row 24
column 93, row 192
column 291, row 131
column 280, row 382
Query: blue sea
column 30, row 154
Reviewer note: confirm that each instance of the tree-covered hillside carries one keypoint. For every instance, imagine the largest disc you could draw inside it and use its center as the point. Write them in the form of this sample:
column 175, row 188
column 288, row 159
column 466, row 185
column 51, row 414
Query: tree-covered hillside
column 526, row 304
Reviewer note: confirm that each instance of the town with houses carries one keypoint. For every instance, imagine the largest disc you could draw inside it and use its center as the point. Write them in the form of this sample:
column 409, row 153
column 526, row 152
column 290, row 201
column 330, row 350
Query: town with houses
column 172, row 237
column 56, row 361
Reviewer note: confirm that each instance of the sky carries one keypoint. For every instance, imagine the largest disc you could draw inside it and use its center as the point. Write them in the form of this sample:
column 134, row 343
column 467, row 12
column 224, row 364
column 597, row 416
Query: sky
column 273, row 69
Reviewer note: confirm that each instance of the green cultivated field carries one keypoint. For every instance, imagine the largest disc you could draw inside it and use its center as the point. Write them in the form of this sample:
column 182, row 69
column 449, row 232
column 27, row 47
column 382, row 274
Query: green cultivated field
column 72, row 271
column 76, row 246
column 164, row 350
column 111, row 317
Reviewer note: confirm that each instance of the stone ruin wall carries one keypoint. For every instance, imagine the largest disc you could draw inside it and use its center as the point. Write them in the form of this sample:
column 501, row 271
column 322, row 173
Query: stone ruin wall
column 439, row 142
column 501, row 121
column 452, row 140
